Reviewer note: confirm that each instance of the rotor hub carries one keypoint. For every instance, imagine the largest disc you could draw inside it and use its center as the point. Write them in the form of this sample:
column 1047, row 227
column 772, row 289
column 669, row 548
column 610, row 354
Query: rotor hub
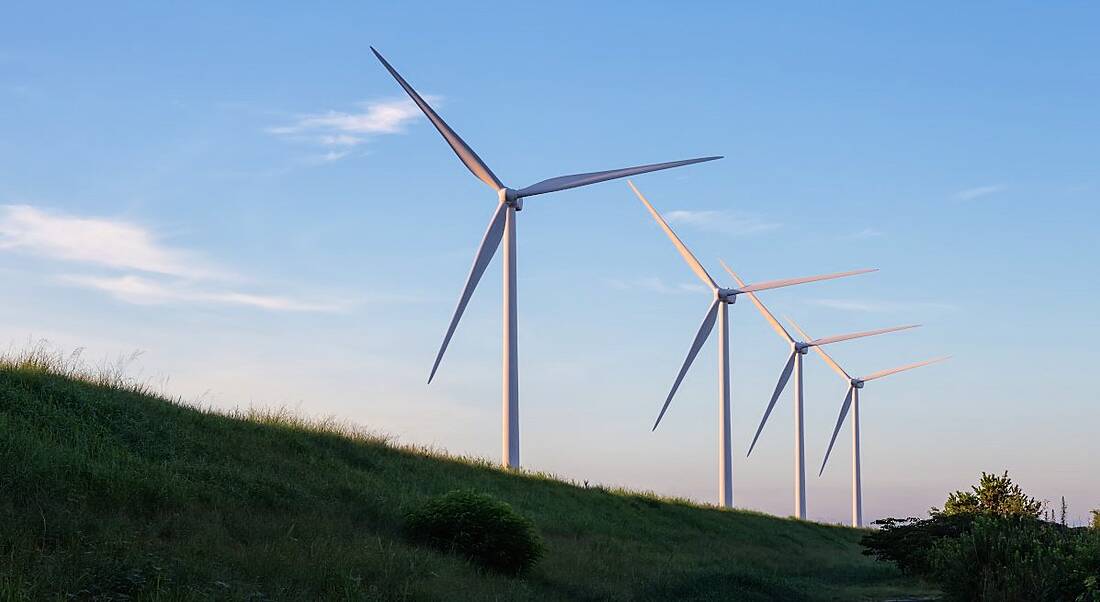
column 801, row 347
column 510, row 198
column 857, row 383
column 727, row 295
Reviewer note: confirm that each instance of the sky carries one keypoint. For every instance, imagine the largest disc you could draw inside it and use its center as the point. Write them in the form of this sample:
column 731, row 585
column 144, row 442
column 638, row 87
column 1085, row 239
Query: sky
column 243, row 195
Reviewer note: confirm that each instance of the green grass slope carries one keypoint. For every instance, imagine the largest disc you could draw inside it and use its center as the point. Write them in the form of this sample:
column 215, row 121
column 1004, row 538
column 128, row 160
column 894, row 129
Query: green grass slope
column 108, row 493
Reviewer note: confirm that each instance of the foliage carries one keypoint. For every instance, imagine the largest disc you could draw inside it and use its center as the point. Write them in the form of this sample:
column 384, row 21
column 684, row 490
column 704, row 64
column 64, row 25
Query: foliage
column 993, row 495
column 107, row 492
column 1016, row 559
column 479, row 527
column 907, row 541
column 1096, row 519
column 989, row 544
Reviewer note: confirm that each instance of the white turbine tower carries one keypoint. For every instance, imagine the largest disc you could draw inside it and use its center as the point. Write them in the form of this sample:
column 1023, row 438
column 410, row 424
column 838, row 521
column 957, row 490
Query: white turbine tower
column 851, row 400
column 794, row 366
column 718, row 310
column 503, row 226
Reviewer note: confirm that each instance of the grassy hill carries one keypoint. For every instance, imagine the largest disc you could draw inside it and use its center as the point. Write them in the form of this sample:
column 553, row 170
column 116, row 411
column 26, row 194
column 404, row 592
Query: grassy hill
column 107, row 492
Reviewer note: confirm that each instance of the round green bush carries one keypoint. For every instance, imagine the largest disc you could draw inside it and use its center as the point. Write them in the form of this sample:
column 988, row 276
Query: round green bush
column 479, row 527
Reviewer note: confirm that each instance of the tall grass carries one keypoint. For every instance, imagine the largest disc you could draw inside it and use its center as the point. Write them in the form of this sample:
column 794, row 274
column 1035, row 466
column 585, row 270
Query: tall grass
column 111, row 490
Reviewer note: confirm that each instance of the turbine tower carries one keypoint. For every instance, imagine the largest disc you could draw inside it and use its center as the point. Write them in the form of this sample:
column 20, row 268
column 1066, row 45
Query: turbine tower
column 502, row 226
column 851, row 400
column 718, row 310
column 794, row 366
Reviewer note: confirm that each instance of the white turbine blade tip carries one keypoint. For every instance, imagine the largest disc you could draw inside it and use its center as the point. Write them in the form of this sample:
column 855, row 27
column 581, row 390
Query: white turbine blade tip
column 465, row 154
column 681, row 248
column 904, row 368
column 584, row 179
column 770, row 284
column 859, row 335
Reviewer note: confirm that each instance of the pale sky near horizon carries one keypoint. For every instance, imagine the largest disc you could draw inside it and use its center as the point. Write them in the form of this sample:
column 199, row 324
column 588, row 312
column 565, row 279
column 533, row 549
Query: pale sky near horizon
column 246, row 196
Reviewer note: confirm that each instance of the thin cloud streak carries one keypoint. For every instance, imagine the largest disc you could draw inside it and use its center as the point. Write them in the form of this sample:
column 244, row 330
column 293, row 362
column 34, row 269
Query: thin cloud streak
column 343, row 129
column 329, row 157
column 104, row 242
column 151, row 272
column 653, row 284
column 866, row 233
column 874, row 306
column 976, row 193
column 147, row 291
column 722, row 222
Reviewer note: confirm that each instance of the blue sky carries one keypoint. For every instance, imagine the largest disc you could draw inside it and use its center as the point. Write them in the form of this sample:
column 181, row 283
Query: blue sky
column 245, row 195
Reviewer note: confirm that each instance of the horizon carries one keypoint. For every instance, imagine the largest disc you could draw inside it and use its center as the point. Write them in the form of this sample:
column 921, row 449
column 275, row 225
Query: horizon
column 252, row 202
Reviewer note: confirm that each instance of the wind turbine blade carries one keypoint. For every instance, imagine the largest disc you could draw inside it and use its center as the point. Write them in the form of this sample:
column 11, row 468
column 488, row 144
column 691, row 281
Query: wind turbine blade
column 584, row 179
column 701, row 337
column 782, row 384
column 825, row 356
column 836, row 431
column 761, row 286
column 485, row 252
column 692, row 262
column 459, row 146
column 882, row 373
column 760, row 306
column 859, row 335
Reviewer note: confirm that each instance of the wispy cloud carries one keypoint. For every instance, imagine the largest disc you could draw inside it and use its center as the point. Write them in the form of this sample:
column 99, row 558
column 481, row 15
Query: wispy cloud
column 142, row 290
column 978, row 192
column 723, row 222
column 653, row 284
column 344, row 130
column 328, row 157
column 877, row 306
column 111, row 243
column 865, row 234
column 146, row 271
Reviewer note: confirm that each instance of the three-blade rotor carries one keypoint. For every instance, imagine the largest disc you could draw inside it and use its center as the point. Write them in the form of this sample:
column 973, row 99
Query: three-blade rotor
column 857, row 383
column 723, row 295
column 796, row 348
column 493, row 235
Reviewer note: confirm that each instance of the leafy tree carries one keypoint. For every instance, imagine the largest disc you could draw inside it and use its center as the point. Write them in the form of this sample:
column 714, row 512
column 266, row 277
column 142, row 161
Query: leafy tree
column 1096, row 519
column 994, row 496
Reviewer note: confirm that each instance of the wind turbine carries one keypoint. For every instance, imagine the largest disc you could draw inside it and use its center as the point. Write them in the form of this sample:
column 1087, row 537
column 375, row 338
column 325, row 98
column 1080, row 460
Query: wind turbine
column 718, row 310
column 851, row 399
column 502, row 225
column 794, row 365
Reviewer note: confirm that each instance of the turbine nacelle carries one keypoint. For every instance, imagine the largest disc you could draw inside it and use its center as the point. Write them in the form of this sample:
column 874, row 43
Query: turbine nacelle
column 511, row 198
column 726, row 295
column 857, row 383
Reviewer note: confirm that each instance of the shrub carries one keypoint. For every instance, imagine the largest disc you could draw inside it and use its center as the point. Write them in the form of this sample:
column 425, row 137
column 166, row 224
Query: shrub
column 907, row 541
column 479, row 527
column 974, row 565
column 1016, row 559
column 989, row 544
